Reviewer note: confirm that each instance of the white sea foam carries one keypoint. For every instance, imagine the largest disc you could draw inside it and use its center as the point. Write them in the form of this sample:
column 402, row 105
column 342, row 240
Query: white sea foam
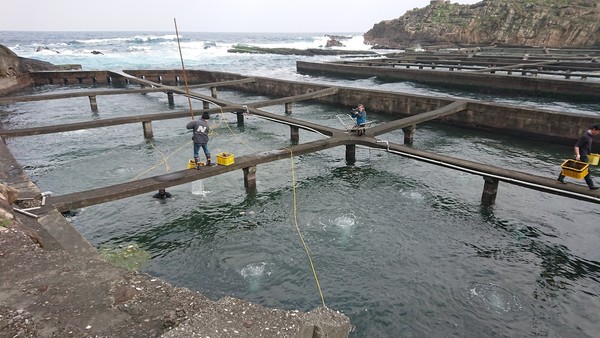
column 129, row 50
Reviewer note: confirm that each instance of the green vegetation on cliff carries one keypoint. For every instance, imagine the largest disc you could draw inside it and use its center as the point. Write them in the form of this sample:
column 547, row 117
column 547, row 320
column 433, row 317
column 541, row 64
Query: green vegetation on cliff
column 549, row 23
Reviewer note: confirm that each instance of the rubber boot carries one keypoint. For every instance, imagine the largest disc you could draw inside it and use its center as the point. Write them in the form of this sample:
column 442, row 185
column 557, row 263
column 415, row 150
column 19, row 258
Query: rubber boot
column 208, row 160
column 197, row 162
column 590, row 182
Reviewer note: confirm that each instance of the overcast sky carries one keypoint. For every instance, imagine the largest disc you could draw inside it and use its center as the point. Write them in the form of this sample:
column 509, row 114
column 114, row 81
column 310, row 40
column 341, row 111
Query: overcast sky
column 327, row 16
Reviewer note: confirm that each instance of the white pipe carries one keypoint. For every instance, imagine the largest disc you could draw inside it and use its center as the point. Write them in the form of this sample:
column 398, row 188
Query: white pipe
column 25, row 213
column 292, row 124
column 386, row 143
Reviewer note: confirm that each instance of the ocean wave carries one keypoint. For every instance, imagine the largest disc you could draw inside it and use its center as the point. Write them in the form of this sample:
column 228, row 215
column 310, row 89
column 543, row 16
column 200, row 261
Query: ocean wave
column 131, row 39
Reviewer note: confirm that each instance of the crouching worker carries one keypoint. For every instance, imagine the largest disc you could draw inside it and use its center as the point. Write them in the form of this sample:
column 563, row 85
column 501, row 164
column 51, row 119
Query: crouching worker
column 200, row 129
column 360, row 114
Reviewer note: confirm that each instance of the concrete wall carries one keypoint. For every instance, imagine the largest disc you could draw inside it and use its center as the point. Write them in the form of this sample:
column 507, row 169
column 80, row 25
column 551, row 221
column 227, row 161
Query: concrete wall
column 562, row 128
column 482, row 82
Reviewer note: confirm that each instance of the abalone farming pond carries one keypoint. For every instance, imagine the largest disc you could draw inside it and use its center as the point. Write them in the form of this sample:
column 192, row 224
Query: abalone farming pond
column 402, row 247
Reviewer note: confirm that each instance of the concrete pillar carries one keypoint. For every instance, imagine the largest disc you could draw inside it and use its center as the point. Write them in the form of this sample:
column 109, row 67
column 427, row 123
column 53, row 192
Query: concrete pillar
column 170, row 98
column 409, row 134
column 350, row 154
column 205, row 105
column 213, row 92
column 288, row 108
column 490, row 190
column 250, row 178
column 295, row 134
column 147, row 126
column 240, row 119
column 143, row 85
column 93, row 103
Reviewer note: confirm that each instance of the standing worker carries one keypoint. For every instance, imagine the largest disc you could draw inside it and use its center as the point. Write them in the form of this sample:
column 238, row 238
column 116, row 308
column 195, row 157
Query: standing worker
column 200, row 129
column 583, row 148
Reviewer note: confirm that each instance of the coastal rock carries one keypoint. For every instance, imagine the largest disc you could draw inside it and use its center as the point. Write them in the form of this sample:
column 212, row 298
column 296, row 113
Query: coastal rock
column 294, row 51
column 334, row 43
column 13, row 70
column 9, row 63
column 8, row 196
column 43, row 48
column 549, row 23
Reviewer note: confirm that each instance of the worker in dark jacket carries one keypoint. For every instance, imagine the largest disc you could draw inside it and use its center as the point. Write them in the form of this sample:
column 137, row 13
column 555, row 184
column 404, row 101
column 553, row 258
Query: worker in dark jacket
column 583, row 148
column 200, row 129
column 162, row 194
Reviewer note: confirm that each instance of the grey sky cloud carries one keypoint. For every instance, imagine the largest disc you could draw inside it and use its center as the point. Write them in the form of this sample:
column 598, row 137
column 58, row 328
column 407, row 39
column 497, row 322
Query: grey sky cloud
column 329, row 16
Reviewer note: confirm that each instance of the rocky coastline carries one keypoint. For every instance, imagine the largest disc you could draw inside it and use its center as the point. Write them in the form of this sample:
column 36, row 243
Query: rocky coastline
column 532, row 23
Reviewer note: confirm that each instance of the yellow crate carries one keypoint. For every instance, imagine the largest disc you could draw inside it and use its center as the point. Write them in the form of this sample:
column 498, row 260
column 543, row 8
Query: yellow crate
column 224, row 158
column 192, row 164
column 575, row 169
column 593, row 159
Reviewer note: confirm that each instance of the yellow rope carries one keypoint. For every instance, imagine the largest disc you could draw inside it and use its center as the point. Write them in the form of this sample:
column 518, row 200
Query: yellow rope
column 165, row 158
column 235, row 135
column 306, row 249
column 312, row 266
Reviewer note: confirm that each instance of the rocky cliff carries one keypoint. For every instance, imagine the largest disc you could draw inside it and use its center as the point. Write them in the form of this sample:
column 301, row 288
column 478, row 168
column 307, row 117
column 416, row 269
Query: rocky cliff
column 546, row 23
column 14, row 69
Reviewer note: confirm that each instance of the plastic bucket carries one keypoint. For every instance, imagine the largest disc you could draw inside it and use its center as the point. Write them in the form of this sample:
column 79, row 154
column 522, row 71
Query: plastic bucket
column 593, row 159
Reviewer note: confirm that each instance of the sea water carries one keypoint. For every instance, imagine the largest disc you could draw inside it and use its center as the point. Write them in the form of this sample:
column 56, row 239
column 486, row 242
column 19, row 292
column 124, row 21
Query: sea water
column 401, row 247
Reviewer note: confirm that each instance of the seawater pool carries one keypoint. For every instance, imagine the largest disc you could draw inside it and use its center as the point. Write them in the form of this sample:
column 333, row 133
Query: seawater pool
column 401, row 247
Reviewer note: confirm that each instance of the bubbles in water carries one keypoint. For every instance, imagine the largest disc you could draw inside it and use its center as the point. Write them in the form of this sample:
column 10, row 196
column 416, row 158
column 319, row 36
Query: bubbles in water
column 253, row 274
column 344, row 221
column 342, row 226
column 494, row 297
column 198, row 188
column 413, row 195
column 119, row 171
